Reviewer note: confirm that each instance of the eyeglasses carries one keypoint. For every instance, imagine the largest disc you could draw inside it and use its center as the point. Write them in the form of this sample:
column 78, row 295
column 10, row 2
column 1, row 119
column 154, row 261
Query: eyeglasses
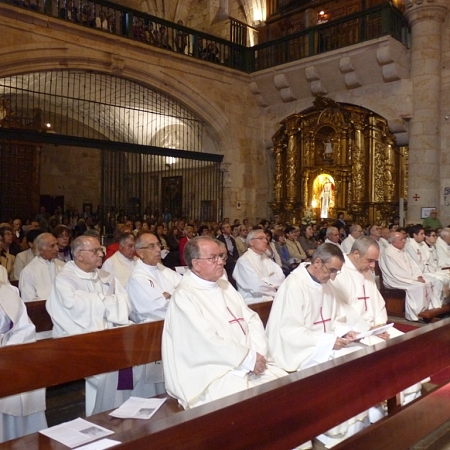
column 64, row 235
column 433, row 235
column 331, row 271
column 152, row 246
column 261, row 238
column 97, row 251
column 214, row 259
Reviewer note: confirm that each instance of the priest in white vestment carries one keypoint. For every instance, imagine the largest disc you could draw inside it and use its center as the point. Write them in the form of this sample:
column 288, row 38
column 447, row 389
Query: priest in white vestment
column 122, row 263
column 401, row 272
column 361, row 306
column 356, row 232
column 213, row 344
column 37, row 278
column 20, row 414
column 257, row 276
column 302, row 330
column 419, row 252
column 150, row 288
column 332, row 236
column 383, row 241
column 151, row 285
column 443, row 248
column 86, row 299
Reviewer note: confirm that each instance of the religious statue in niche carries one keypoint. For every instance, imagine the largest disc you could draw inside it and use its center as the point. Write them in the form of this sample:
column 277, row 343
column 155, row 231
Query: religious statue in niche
column 323, row 195
column 328, row 150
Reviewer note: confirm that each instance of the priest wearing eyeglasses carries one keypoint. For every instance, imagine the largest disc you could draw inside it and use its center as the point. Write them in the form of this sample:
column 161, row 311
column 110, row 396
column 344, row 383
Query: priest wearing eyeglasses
column 151, row 284
column 213, row 345
column 256, row 275
column 302, row 329
column 85, row 299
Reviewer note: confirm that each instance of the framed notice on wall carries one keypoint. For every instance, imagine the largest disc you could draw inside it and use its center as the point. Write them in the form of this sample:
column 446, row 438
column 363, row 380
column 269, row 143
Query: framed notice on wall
column 425, row 212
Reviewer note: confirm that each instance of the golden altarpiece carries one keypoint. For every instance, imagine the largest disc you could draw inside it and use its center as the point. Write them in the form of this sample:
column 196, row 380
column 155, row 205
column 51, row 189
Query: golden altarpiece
column 338, row 158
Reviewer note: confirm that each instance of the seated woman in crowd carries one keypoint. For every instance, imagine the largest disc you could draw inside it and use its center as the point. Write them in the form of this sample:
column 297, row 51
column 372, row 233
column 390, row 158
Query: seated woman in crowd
column 6, row 259
column 271, row 251
column 62, row 235
column 307, row 240
column 294, row 248
column 280, row 245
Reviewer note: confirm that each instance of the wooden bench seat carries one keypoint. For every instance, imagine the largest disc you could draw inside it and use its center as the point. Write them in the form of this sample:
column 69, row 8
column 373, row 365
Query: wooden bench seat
column 274, row 415
column 432, row 315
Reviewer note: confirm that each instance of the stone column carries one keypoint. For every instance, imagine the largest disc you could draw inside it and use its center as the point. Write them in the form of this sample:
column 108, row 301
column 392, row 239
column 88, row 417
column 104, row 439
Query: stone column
column 426, row 18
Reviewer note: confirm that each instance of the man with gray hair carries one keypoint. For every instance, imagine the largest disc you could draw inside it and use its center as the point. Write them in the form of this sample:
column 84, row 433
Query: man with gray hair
column 122, row 263
column 356, row 232
column 85, row 299
column 401, row 272
column 332, row 236
column 302, row 330
column 151, row 285
column 443, row 248
column 208, row 315
column 257, row 276
column 37, row 277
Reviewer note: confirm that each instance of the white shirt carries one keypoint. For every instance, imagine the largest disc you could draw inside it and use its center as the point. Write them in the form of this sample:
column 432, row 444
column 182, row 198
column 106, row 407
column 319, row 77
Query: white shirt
column 120, row 266
column 257, row 277
column 145, row 289
column 22, row 259
column 347, row 244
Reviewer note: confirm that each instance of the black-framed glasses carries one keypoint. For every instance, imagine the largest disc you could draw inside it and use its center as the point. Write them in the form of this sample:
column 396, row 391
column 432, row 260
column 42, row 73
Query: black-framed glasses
column 152, row 246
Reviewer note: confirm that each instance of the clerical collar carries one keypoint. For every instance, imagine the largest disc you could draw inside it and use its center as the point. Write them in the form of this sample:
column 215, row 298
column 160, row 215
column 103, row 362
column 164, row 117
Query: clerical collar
column 311, row 275
column 203, row 282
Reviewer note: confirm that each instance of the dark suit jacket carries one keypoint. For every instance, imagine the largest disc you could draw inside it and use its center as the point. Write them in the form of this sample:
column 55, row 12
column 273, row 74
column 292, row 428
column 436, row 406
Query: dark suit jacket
column 234, row 255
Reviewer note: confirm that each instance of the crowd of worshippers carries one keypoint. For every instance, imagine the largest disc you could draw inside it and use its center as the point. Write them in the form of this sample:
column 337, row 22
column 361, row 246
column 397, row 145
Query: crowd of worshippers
column 199, row 279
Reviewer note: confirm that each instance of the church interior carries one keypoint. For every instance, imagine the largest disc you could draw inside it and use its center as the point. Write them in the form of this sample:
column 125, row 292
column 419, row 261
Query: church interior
column 242, row 109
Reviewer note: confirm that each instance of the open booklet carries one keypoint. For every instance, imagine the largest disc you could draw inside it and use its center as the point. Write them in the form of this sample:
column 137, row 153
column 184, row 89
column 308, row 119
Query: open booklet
column 374, row 331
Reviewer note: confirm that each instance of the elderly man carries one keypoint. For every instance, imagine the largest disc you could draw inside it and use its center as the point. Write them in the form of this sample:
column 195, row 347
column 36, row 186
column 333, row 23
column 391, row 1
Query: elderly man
column 420, row 254
column 361, row 306
column 151, row 285
column 302, row 330
column 384, row 236
column 257, row 276
column 23, row 413
column 208, row 315
column 356, row 232
column 241, row 240
column 36, row 279
column 332, row 236
column 24, row 258
column 85, row 299
column 122, row 263
column 443, row 248
column 401, row 272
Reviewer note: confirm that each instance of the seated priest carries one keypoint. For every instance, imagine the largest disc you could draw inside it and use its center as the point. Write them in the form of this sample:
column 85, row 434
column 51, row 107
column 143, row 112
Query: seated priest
column 356, row 232
column 213, row 344
column 443, row 248
column 122, row 262
column 302, row 329
column 20, row 414
column 257, row 276
column 37, row 277
column 25, row 257
column 420, row 253
column 401, row 272
column 361, row 306
column 86, row 299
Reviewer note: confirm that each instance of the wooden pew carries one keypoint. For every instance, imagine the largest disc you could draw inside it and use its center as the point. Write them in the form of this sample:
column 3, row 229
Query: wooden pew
column 280, row 414
column 41, row 319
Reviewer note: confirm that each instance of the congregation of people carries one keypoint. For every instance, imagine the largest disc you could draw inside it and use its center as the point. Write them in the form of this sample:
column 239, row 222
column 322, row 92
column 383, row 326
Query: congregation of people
column 200, row 278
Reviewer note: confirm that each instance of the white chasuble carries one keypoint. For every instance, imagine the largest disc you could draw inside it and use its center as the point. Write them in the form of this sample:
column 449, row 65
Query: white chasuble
column 210, row 341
